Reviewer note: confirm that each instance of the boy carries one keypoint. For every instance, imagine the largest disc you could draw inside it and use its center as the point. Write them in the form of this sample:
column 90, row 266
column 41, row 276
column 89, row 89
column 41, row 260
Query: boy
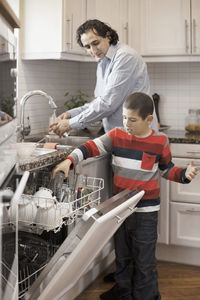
column 137, row 153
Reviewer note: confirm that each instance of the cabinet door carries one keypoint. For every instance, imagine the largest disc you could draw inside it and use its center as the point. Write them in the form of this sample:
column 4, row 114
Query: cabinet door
column 113, row 12
column 189, row 193
column 195, row 27
column 185, row 224
column 163, row 220
column 165, row 27
column 74, row 16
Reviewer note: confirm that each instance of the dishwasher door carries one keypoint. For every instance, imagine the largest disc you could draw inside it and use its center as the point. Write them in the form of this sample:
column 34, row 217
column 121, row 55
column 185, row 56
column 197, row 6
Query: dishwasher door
column 83, row 244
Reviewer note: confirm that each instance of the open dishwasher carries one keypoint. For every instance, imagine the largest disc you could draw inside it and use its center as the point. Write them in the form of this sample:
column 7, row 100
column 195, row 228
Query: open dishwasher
column 62, row 228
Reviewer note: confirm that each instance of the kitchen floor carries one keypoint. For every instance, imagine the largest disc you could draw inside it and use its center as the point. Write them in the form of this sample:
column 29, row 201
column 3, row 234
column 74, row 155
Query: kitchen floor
column 176, row 282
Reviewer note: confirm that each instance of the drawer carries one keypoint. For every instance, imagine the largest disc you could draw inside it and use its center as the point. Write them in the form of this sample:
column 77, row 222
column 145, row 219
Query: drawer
column 185, row 224
column 189, row 193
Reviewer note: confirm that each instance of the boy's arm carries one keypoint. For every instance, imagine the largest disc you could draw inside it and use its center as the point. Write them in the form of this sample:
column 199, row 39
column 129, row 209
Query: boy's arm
column 92, row 148
column 172, row 172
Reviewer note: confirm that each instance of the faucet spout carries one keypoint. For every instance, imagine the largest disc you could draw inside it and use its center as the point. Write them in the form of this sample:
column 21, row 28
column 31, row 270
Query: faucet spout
column 22, row 105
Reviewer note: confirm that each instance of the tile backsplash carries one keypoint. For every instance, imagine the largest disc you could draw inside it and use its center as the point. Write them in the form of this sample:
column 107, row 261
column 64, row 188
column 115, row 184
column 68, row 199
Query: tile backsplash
column 178, row 85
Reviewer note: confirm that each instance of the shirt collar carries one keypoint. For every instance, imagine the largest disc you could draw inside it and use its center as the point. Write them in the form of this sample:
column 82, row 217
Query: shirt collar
column 111, row 51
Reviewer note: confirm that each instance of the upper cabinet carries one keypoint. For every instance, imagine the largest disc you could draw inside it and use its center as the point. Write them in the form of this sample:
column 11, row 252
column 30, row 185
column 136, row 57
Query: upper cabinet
column 74, row 14
column 49, row 27
column 170, row 27
column 112, row 12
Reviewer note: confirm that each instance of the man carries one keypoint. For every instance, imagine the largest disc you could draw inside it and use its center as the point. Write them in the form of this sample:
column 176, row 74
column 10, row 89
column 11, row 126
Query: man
column 4, row 118
column 120, row 72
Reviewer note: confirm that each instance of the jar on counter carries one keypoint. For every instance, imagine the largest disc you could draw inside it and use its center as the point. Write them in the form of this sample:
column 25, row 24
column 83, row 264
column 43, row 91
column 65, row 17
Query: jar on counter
column 192, row 121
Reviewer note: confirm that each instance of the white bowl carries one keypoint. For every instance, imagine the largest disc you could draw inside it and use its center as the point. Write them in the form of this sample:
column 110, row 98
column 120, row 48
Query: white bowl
column 43, row 197
column 26, row 211
column 24, row 150
column 49, row 218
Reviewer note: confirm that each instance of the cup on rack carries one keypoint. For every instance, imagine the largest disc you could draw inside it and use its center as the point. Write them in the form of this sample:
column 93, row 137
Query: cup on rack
column 48, row 217
column 26, row 211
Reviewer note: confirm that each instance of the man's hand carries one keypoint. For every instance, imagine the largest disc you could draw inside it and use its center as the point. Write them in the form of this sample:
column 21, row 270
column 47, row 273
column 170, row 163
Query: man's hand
column 191, row 171
column 63, row 166
column 65, row 115
column 60, row 126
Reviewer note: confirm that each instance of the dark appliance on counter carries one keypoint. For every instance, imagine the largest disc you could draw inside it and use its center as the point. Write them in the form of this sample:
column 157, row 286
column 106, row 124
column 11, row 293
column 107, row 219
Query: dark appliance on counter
column 156, row 99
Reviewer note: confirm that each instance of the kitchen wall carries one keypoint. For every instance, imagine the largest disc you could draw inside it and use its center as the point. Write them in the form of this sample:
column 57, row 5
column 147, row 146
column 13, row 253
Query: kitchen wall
column 54, row 77
column 178, row 85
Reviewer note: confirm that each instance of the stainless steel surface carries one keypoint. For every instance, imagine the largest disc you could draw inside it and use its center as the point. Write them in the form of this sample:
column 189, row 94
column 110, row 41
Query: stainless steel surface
column 68, row 140
column 22, row 106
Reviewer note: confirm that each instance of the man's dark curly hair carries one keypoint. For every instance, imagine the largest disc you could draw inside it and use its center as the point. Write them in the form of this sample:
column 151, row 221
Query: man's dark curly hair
column 99, row 28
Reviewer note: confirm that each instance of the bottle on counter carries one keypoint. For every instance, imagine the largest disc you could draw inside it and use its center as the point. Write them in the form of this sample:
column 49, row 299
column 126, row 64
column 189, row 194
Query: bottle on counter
column 192, row 121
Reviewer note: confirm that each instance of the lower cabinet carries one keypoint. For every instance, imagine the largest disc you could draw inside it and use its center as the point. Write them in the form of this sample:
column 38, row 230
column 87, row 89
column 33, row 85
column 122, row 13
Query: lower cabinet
column 185, row 224
column 163, row 220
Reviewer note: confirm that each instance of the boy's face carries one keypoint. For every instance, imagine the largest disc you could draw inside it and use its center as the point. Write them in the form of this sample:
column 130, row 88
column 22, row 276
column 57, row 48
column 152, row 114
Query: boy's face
column 95, row 45
column 134, row 124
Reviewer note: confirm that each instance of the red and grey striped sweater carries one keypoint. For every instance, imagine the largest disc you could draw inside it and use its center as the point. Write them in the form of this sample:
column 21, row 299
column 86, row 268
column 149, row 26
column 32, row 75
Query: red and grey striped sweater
column 136, row 162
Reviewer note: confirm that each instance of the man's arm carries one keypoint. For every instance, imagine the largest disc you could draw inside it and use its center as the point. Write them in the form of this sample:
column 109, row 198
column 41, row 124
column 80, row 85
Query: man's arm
column 119, row 85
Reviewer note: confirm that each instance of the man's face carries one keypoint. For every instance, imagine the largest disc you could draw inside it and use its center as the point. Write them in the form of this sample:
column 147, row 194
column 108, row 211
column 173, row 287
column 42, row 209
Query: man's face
column 95, row 45
column 134, row 124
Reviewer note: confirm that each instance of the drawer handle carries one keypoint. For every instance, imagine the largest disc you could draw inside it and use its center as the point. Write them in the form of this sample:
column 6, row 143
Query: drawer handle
column 193, row 152
column 192, row 211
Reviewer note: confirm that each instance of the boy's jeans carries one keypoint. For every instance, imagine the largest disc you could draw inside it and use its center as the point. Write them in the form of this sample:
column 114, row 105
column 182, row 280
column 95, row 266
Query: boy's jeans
column 135, row 244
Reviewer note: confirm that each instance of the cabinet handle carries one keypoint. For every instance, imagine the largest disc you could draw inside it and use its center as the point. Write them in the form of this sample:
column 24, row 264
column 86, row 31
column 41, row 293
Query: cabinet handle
column 192, row 211
column 186, row 36
column 194, row 25
column 69, row 33
column 126, row 32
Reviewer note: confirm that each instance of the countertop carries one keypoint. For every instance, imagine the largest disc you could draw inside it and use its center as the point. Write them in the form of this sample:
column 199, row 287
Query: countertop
column 34, row 163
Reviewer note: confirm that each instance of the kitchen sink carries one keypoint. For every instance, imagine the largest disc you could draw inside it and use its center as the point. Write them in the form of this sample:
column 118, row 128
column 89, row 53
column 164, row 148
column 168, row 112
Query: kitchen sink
column 67, row 140
column 71, row 140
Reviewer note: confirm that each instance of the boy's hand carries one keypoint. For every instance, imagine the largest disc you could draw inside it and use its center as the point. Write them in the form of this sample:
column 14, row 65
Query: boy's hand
column 64, row 166
column 191, row 171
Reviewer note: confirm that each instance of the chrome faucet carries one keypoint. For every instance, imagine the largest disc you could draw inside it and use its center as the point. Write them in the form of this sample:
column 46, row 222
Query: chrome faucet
column 22, row 105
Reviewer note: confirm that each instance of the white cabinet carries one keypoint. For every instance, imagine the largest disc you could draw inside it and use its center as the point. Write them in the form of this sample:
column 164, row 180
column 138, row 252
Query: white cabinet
column 170, row 27
column 163, row 220
column 195, row 23
column 185, row 208
column 49, row 27
column 189, row 193
column 113, row 12
column 185, row 224
column 74, row 14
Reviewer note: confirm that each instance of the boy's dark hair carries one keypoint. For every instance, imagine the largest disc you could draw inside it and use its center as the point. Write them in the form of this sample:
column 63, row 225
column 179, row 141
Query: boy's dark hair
column 140, row 102
column 99, row 28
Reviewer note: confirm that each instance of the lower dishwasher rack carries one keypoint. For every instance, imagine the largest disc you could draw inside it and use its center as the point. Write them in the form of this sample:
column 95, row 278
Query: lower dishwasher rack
column 38, row 213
